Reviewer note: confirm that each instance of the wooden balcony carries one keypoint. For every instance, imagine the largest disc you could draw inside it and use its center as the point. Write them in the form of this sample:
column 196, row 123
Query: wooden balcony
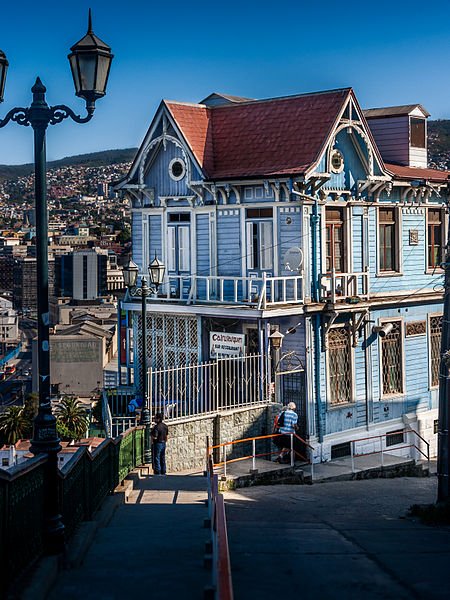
column 260, row 292
column 342, row 287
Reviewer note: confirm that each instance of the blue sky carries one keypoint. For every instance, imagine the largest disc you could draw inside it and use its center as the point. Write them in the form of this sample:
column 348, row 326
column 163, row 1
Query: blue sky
column 394, row 52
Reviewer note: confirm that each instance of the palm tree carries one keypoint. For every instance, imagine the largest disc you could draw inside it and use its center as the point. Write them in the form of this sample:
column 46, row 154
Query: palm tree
column 14, row 424
column 72, row 415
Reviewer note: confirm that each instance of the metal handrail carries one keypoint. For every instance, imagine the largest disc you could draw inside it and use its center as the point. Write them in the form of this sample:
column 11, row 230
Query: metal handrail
column 222, row 579
column 253, row 456
column 382, row 450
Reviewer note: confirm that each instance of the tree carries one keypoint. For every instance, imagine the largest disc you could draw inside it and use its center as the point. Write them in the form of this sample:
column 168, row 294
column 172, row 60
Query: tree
column 14, row 424
column 72, row 415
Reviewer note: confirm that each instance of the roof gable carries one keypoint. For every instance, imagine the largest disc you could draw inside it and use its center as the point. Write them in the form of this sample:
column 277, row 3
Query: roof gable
column 278, row 136
column 396, row 111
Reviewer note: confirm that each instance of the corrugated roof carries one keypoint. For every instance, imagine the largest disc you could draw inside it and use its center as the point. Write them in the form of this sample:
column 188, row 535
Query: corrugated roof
column 393, row 111
column 277, row 136
column 417, row 173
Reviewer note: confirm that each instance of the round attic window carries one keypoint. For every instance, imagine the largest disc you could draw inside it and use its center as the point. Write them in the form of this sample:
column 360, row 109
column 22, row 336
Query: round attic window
column 177, row 169
column 336, row 161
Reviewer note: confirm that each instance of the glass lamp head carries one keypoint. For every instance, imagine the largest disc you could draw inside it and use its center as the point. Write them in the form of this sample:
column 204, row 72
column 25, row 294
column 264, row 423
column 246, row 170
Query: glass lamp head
column 90, row 61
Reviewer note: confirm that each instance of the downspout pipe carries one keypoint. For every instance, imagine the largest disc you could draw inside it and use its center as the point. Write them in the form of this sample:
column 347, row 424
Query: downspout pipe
column 315, row 241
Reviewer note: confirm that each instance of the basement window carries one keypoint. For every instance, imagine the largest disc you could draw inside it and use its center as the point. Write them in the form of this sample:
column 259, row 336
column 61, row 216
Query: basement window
column 340, row 450
column 394, row 437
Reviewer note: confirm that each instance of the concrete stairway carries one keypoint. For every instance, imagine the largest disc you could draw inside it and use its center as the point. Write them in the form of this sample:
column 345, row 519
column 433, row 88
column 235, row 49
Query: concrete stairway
column 152, row 547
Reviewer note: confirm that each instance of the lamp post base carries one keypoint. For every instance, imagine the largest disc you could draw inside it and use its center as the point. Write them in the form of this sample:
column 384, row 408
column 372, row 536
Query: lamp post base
column 45, row 441
column 145, row 421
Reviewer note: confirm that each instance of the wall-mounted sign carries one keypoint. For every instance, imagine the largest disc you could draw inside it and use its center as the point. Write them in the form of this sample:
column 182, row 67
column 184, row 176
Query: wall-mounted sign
column 226, row 344
column 413, row 237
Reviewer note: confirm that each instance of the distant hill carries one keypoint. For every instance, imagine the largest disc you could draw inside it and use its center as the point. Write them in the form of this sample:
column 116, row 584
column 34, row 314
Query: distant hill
column 438, row 150
column 94, row 159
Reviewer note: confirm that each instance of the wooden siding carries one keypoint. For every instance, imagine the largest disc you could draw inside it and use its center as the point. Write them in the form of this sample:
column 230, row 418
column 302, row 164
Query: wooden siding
column 229, row 246
column 353, row 166
column 290, row 235
column 357, row 235
column 203, row 249
column 136, row 233
column 155, row 237
column 418, row 157
column 392, row 138
column 157, row 174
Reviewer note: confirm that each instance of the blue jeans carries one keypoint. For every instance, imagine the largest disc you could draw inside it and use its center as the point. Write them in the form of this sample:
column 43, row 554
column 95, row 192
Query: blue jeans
column 159, row 462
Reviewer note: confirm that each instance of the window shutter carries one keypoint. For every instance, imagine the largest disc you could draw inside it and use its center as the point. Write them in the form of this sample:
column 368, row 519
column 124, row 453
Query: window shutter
column 249, row 245
column 171, row 262
column 183, row 248
column 266, row 244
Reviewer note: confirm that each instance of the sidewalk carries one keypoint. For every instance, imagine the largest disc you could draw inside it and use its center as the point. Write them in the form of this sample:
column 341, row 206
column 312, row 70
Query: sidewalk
column 153, row 546
column 345, row 540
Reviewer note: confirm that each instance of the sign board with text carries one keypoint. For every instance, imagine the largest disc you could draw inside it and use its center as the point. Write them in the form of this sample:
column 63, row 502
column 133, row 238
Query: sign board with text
column 226, row 344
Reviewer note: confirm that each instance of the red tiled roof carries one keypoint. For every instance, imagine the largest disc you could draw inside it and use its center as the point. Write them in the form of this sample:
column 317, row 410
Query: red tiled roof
column 280, row 136
column 412, row 173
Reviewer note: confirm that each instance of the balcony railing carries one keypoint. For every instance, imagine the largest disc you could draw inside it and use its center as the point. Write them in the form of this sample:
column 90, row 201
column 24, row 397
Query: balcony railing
column 340, row 287
column 261, row 292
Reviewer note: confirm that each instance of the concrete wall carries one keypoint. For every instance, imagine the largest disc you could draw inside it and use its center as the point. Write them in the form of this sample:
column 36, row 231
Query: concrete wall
column 186, row 446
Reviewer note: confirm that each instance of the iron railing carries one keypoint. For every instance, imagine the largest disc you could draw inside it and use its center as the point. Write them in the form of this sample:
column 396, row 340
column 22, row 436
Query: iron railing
column 209, row 387
column 376, row 444
column 84, row 482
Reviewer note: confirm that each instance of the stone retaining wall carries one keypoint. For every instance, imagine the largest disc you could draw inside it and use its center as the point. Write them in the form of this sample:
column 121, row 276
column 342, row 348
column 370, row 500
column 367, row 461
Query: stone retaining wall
column 186, row 446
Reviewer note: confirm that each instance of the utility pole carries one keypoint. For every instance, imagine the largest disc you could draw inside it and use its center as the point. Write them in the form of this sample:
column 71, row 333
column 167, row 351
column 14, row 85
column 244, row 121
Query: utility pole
column 444, row 390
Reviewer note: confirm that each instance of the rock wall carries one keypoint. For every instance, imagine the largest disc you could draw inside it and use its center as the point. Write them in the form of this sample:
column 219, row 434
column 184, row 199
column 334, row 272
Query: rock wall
column 186, row 446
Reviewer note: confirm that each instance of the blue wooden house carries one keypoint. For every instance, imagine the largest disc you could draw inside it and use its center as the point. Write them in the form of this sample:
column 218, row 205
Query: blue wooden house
column 306, row 215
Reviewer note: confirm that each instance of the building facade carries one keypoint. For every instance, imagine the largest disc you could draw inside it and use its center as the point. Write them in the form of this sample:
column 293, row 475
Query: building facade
column 309, row 216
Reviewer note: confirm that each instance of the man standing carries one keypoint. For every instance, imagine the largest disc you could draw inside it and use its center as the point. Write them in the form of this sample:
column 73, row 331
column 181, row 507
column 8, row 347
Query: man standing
column 159, row 436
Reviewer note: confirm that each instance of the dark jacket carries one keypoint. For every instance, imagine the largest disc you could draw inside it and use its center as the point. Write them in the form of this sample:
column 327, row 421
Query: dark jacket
column 160, row 432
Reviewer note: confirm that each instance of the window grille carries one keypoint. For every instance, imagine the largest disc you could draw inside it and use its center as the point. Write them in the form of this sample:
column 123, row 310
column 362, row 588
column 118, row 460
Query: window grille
column 392, row 359
column 435, row 348
column 171, row 341
column 339, row 372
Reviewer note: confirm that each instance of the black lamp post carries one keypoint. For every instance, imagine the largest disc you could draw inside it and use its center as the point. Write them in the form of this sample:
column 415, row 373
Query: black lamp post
column 90, row 62
column 130, row 274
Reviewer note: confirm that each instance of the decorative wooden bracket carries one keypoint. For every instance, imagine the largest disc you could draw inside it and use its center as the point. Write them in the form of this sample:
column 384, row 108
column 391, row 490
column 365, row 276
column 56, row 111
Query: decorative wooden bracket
column 355, row 323
column 328, row 318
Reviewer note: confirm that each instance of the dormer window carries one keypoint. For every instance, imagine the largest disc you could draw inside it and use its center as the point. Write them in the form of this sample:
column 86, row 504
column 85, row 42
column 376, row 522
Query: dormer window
column 417, row 132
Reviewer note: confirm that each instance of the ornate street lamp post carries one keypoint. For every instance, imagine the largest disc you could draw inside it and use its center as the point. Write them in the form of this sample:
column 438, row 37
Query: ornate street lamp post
column 90, row 61
column 156, row 271
column 276, row 340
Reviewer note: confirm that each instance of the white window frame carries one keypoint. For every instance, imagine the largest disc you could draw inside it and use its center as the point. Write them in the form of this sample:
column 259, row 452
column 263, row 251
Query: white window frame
column 438, row 269
column 382, row 322
column 262, row 224
column 397, row 272
column 330, row 405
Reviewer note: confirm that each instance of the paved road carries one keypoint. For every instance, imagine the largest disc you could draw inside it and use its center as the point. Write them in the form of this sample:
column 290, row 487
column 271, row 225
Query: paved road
column 342, row 540
column 152, row 548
